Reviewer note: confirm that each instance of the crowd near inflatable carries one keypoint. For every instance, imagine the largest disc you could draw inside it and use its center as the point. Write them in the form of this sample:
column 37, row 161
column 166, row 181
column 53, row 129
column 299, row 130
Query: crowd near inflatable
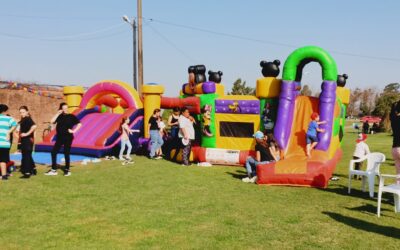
column 280, row 136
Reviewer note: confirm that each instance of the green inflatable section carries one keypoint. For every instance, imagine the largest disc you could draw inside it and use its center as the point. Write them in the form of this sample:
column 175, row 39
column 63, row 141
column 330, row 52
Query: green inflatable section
column 329, row 69
column 209, row 142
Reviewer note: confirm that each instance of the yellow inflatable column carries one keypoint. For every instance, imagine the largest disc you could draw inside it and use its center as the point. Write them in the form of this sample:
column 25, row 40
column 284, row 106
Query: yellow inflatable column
column 73, row 96
column 268, row 87
column 152, row 100
column 343, row 94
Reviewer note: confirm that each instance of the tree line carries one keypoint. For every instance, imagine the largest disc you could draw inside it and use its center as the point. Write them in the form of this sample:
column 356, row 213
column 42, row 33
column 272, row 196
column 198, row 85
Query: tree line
column 367, row 101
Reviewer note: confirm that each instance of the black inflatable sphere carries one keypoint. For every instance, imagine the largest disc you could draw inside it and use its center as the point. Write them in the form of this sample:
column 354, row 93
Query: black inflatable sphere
column 214, row 76
column 270, row 69
column 200, row 73
column 341, row 80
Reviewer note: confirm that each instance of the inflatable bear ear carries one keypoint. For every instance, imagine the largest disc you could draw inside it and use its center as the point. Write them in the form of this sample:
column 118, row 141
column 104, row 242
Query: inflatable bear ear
column 341, row 80
column 277, row 62
column 263, row 63
column 191, row 69
column 214, row 76
column 270, row 69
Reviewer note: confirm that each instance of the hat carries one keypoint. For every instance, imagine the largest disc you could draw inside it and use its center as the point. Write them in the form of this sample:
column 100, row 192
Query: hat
column 258, row 135
column 361, row 137
column 185, row 141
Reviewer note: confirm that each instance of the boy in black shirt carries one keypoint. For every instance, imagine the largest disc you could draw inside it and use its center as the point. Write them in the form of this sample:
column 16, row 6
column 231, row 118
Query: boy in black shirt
column 65, row 134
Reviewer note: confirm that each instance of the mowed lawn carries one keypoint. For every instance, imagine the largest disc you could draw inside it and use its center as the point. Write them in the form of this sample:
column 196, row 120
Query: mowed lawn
column 162, row 205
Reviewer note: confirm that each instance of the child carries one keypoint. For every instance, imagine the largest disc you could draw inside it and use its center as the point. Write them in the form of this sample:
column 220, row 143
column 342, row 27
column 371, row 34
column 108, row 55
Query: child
column 311, row 136
column 360, row 151
column 273, row 147
column 126, row 131
column 163, row 133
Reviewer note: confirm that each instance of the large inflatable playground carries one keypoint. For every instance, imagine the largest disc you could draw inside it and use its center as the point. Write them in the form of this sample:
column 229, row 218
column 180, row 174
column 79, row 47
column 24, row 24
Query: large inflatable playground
column 225, row 123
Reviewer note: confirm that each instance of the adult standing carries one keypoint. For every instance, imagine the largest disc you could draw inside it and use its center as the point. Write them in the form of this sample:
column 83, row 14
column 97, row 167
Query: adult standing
column 173, row 122
column 7, row 126
column 155, row 138
column 26, row 131
column 395, row 123
column 186, row 133
column 65, row 123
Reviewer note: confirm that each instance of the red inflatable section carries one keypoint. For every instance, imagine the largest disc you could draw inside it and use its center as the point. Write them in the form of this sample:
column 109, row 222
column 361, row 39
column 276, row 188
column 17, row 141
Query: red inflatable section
column 107, row 100
column 192, row 103
column 294, row 173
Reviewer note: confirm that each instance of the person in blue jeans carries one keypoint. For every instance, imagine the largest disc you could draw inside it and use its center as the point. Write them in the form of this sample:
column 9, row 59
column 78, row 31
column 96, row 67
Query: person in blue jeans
column 263, row 156
column 154, row 131
column 311, row 135
column 125, row 142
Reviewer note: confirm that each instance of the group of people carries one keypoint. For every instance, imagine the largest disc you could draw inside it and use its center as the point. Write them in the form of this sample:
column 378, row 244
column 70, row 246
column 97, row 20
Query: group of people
column 366, row 129
column 66, row 125
column 182, row 134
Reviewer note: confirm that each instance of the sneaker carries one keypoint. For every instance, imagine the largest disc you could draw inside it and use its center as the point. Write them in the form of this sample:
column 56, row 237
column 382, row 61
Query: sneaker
column 34, row 171
column 158, row 157
column 246, row 179
column 128, row 158
column 67, row 173
column 253, row 179
column 4, row 177
column 121, row 158
column 51, row 172
column 186, row 165
column 25, row 176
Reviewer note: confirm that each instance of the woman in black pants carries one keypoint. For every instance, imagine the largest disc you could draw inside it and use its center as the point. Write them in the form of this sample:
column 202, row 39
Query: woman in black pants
column 65, row 123
column 26, row 131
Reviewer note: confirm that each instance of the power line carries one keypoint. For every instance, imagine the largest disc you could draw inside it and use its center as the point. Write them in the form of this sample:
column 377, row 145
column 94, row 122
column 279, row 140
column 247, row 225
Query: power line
column 191, row 59
column 269, row 42
column 71, row 18
column 75, row 37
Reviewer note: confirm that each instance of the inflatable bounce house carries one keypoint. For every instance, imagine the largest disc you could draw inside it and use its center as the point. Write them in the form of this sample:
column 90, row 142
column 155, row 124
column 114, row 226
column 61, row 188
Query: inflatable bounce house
column 226, row 123
column 100, row 111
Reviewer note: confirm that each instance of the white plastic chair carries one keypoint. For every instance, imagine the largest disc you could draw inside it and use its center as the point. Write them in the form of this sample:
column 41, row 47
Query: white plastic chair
column 393, row 188
column 374, row 161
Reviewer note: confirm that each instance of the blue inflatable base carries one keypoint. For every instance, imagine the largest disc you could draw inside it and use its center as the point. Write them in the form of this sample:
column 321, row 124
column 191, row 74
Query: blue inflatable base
column 45, row 158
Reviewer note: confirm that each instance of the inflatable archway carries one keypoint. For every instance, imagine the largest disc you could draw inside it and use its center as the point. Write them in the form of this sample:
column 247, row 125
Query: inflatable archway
column 100, row 132
column 100, row 89
column 292, row 70
column 291, row 73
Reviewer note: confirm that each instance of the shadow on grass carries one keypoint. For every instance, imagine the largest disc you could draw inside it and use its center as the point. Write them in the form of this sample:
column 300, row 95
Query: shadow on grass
column 238, row 174
column 342, row 190
column 365, row 226
column 367, row 208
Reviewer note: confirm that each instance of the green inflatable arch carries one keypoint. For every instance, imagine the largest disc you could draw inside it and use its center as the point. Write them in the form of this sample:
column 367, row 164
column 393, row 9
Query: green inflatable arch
column 300, row 57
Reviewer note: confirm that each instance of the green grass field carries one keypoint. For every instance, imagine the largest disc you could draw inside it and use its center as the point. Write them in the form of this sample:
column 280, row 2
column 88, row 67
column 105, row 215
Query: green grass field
column 161, row 205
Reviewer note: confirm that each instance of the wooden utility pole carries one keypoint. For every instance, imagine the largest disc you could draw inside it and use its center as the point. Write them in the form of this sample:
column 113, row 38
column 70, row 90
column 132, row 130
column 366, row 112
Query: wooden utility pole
column 140, row 47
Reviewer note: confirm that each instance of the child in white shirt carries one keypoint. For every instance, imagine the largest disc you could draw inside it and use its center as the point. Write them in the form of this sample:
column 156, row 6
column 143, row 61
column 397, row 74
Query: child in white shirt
column 361, row 150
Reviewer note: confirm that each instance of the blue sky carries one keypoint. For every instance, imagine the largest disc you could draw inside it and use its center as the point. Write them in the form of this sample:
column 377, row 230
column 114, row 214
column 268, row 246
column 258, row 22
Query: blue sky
column 83, row 42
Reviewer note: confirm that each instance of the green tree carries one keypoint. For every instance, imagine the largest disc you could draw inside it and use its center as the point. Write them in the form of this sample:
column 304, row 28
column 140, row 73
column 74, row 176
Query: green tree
column 240, row 88
column 390, row 94
column 306, row 91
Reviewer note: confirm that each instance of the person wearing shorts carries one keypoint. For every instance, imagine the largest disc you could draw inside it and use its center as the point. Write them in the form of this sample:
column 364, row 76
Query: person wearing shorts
column 312, row 133
column 7, row 126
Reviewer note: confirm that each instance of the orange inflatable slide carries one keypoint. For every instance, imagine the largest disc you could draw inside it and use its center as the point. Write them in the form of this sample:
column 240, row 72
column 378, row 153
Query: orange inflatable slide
column 296, row 169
